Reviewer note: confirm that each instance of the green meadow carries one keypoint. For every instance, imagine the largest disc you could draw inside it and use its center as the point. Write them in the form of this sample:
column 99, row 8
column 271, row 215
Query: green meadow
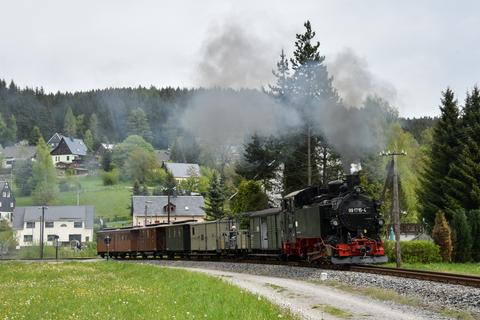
column 110, row 202
column 115, row 290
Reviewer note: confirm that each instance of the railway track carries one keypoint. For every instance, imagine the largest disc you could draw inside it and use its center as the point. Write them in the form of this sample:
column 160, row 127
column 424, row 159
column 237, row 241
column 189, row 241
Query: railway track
column 450, row 278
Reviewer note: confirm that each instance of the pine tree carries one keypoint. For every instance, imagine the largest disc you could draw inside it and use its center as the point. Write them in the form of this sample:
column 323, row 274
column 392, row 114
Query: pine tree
column 442, row 235
column 88, row 139
column 215, row 199
column 474, row 222
column 35, row 136
column 444, row 149
column 136, row 188
column 11, row 130
column 137, row 124
column 70, row 123
column 44, row 176
column 462, row 237
column 310, row 87
column 260, row 160
column 80, row 124
column 282, row 75
column 94, row 128
column 463, row 181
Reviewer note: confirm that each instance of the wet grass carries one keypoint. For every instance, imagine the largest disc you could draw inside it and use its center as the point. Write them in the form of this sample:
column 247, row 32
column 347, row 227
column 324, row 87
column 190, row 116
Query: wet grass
column 113, row 290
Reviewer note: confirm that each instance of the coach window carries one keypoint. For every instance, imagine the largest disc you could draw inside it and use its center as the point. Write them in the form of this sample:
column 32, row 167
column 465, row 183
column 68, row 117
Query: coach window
column 193, row 231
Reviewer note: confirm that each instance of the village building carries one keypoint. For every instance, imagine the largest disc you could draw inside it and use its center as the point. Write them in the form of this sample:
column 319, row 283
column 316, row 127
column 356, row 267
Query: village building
column 154, row 209
column 104, row 148
column 162, row 155
column 19, row 152
column 7, row 201
column 54, row 140
column 69, row 154
column 69, row 223
column 182, row 171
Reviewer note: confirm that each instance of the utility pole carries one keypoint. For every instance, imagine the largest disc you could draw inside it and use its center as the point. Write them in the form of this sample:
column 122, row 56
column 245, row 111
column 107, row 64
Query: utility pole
column 395, row 203
column 146, row 208
column 309, row 156
column 42, row 229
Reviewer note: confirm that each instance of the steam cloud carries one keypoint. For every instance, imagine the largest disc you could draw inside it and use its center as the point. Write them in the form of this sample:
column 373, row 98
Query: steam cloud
column 355, row 82
column 233, row 58
column 228, row 117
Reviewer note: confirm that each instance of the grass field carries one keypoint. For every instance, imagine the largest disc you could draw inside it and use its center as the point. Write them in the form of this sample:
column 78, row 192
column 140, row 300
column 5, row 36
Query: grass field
column 113, row 290
column 111, row 202
column 464, row 268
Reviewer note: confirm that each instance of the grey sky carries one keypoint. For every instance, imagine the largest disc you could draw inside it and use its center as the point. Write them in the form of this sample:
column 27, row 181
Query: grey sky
column 418, row 47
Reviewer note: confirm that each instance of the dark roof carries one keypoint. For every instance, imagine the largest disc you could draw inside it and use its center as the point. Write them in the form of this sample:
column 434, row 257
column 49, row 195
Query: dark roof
column 182, row 170
column 54, row 213
column 264, row 212
column 184, row 205
column 77, row 146
column 162, row 155
column 19, row 152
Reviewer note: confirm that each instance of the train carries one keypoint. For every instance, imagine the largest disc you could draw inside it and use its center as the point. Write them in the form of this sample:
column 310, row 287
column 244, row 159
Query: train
column 337, row 224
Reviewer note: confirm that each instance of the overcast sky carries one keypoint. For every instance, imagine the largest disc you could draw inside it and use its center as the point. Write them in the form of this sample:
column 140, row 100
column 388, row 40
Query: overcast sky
column 415, row 49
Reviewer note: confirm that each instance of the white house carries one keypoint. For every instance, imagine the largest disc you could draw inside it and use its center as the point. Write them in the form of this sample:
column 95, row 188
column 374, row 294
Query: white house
column 7, row 201
column 154, row 209
column 70, row 223
column 68, row 151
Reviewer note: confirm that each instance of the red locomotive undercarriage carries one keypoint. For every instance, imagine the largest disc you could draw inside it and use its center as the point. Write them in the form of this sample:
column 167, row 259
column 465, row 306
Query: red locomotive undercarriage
column 312, row 249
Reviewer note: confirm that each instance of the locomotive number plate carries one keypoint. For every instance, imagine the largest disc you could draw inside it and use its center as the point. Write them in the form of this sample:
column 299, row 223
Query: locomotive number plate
column 357, row 210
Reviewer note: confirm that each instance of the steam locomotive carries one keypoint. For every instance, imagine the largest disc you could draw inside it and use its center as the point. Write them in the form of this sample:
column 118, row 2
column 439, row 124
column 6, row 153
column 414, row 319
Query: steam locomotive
column 339, row 224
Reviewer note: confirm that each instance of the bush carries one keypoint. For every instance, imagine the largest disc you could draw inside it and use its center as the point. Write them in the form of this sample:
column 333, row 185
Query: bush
column 419, row 251
column 110, row 178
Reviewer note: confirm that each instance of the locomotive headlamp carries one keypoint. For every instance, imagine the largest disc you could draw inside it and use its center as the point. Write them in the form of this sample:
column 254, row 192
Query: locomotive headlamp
column 334, row 222
column 381, row 222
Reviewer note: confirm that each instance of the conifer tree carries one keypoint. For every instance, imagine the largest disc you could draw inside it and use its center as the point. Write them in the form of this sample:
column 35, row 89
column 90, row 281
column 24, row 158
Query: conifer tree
column 443, row 151
column 137, row 124
column 215, row 198
column 462, row 237
column 88, row 139
column 136, row 188
column 442, row 236
column 474, row 222
column 34, row 136
column 463, row 181
column 70, row 123
column 281, row 87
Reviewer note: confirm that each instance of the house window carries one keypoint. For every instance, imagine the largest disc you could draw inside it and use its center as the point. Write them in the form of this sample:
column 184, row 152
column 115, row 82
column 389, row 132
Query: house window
column 77, row 224
column 11, row 204
column 51, row 237
column 68, row 158
column 75, row 237
column 31, row 225
column 48, row 224
column 4, row 194
column 87, row 239
column 63, row 225
column 28, row 238
column 0, row 204
column 8, row 194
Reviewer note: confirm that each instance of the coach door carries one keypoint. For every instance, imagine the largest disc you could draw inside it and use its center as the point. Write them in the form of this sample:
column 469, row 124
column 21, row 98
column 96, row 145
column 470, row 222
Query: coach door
column 264, row 233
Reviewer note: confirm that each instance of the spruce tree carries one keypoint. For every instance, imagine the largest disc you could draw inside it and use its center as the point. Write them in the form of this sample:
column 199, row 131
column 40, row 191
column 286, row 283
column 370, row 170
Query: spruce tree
column 34, row 136
column 443, row 151
column 70, row 123
column 215, row 199
column 463, row 187
column 136, row 188
column 474, row 223
column 137, row 124
column 88, row 139
column 442, row 235
column 462, row 237
column 280, row 89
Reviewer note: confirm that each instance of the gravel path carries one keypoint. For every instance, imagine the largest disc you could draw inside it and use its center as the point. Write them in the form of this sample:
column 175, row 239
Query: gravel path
column 311, row 301
column 432, row 295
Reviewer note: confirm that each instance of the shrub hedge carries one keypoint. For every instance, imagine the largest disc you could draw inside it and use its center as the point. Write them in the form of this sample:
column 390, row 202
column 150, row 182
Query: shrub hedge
column 419, row 251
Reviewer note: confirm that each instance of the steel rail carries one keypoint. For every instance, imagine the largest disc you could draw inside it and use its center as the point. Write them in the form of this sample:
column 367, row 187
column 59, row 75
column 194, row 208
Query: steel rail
column 450, row 278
